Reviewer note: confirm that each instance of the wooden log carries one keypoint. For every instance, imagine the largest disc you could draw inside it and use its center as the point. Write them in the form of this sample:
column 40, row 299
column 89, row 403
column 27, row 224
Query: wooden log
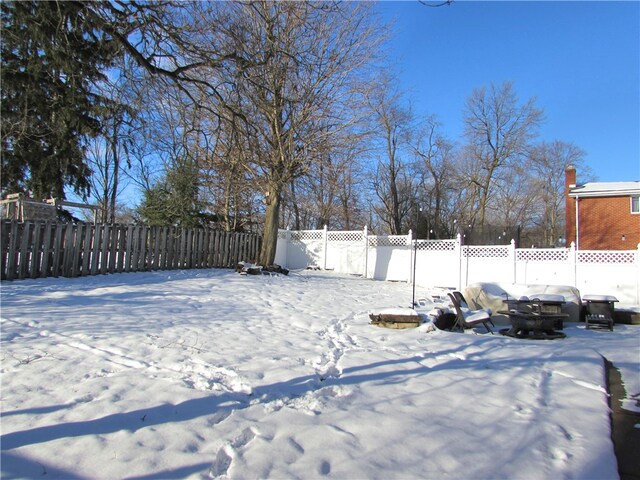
column 397, row 320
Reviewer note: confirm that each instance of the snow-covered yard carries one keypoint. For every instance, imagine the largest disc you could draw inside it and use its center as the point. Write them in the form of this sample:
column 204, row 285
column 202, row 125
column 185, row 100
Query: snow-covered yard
column 212, row 374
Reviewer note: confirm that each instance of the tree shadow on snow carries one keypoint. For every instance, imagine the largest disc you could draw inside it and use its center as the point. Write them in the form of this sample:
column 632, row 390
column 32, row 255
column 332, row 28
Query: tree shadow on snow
column 223, row 405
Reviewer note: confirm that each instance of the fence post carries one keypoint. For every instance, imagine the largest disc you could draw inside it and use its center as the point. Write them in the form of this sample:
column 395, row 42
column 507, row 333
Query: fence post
column 513, row 258
column 287, row 240
column 459, row 251
column 412, row 253
column 325, row 239
column 573, row 258
column 365, row 236
column 638, row 275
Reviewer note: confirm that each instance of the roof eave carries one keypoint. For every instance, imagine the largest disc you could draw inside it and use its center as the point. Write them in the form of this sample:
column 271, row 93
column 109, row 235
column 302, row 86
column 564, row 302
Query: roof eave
column 604, row 193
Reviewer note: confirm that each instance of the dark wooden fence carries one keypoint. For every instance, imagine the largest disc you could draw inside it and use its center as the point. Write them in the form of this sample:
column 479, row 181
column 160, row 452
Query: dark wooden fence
column 48, row 249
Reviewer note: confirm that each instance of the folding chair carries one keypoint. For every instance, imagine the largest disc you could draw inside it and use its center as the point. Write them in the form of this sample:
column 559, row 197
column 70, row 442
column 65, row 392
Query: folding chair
column 467, row 318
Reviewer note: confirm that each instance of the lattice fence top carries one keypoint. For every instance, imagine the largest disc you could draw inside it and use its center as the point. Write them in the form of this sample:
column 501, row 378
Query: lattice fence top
column 302, row 235
column 388, row 241
column 606, row 256
column 492, row 251
column 542, row 255
column 282, row 234
column 353, row 236
column 436, row 245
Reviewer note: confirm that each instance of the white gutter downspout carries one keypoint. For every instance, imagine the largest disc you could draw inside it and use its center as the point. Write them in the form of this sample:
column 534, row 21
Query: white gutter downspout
column 575, row 258
column 577, row 224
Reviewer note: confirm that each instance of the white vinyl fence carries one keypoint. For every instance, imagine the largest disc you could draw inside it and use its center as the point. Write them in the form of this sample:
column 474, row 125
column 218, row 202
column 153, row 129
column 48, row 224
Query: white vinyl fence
column 448, row 263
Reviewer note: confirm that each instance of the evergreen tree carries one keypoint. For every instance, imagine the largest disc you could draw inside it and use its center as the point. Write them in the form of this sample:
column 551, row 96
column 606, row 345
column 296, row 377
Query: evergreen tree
column 53, row 54
column 174, row 200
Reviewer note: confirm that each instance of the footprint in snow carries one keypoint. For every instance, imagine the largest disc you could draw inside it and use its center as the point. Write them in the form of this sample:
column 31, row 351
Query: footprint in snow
column 229, row 451
column 221, row 464
column 325, row 468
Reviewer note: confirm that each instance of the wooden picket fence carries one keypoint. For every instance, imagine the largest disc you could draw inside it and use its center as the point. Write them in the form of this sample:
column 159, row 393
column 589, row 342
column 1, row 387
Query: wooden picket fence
column 37, row 249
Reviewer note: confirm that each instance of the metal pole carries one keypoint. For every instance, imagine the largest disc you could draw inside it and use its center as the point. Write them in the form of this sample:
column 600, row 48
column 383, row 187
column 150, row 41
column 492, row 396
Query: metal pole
column 415, row 256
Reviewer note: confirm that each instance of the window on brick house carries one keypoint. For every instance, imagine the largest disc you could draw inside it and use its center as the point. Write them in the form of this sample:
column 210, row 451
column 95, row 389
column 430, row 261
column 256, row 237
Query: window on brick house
column 635, row 204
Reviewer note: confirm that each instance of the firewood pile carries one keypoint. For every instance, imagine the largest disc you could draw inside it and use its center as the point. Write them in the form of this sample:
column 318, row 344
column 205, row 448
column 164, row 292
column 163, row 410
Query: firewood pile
column 244, row 268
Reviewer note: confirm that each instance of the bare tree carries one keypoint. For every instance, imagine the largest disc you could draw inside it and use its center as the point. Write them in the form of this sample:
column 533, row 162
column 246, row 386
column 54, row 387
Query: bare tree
column 330, row 192
column 514, row 197
column 294, row 94
column 499, row 130
column 229, row 180
column 392, row 182
column 351, row 186
column 108, row 154
column 435, row 153
column 548, row 162
column 179, row 43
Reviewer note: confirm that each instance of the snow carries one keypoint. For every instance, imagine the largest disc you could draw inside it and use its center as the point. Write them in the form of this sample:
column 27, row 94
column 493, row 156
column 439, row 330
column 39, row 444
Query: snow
column 599, row 298
column 398, row 311
column 212, row 374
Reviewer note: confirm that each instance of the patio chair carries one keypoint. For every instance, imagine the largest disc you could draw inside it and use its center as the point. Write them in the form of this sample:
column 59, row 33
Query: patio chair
column 467, row 318
column 464, row 304
column 599, row 311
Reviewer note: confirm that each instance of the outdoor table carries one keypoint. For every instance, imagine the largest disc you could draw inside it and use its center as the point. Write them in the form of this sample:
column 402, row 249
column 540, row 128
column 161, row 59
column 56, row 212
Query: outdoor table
column 533, row 325
column 543, row 303
column 599, row 310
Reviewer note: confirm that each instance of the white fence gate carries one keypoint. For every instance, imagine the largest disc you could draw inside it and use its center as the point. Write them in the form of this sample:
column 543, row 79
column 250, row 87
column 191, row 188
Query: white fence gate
column 448, row 263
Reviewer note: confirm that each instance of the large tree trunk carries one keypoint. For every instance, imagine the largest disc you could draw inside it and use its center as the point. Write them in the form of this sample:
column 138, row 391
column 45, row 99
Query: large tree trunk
column 294, row 204
column 270, row 235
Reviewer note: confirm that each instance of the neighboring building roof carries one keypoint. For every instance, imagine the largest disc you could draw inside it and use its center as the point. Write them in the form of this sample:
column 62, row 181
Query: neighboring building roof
column 605, row 189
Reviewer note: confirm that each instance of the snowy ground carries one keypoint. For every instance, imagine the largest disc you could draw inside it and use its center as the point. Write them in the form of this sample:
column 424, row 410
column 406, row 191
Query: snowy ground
column 212, row 374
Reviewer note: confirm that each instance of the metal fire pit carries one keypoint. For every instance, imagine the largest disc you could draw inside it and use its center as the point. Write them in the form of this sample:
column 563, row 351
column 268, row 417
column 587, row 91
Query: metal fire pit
column 535, row 326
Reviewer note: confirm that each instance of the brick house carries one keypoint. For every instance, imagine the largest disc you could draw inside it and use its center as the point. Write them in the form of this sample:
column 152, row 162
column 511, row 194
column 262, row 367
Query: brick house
column 605, row 215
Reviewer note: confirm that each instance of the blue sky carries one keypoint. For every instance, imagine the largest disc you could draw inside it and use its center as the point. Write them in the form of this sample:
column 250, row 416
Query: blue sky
column 580, row 60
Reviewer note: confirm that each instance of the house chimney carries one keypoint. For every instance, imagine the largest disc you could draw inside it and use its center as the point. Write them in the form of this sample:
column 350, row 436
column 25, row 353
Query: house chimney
column 569, row 177
column 570, row 205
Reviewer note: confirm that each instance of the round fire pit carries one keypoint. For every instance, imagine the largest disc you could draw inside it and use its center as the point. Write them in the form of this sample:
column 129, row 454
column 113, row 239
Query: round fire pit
column 533, row 325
